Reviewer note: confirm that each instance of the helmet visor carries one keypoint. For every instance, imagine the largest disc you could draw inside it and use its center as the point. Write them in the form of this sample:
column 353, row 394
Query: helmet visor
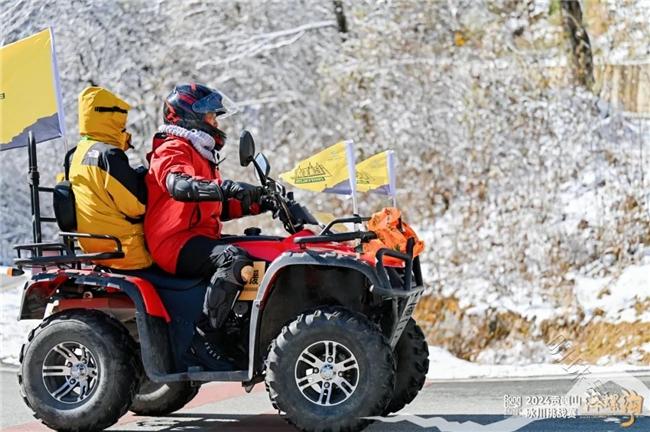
column 215, row 102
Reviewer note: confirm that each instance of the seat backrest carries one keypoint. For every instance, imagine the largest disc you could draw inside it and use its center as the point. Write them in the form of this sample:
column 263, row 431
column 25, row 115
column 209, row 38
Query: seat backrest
column 63, row 199
column 64, row 206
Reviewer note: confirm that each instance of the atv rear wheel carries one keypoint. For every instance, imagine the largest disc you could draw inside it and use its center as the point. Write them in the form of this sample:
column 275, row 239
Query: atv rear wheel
column 79, row 371
column 157, row 399
column 412, row 357
column 330, row 370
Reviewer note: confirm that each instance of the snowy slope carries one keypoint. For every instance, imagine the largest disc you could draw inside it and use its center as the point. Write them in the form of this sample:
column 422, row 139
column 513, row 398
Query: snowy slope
column 616, row 296
column 531, row 192
column 13, row 333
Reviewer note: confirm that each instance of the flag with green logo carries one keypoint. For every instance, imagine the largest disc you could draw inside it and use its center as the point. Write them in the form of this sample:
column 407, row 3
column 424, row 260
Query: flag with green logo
column 330, row 170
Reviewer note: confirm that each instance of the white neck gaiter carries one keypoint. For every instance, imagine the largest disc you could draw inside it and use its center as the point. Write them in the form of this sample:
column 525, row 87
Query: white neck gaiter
column 201, row 141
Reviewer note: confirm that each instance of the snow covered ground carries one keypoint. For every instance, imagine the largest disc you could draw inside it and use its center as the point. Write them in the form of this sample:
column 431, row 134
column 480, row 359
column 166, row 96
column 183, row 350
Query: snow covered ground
column 12, row 332
column 616, row 296
column 445, row 366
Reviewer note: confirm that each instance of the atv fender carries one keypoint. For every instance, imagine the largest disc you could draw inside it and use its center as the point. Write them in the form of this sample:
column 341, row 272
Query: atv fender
column 37, row 293
column 39, row 290
column 151, row 316
column 285, row 262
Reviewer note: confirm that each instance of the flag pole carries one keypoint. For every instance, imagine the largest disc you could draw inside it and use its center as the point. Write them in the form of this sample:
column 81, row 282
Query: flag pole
column 57, row 89
column 34, row 183
column 392, row 186
column 352, row 176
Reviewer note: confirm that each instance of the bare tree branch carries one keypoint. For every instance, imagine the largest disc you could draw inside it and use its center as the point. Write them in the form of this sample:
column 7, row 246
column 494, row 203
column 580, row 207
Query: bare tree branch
column 341, row 21
column 580, row 43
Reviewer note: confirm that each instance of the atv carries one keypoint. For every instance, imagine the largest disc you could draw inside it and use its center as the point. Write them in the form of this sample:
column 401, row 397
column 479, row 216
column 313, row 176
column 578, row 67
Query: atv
column 327, row 329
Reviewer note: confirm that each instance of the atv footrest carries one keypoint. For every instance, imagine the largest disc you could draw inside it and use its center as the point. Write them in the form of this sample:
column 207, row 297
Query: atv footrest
column 236, row 376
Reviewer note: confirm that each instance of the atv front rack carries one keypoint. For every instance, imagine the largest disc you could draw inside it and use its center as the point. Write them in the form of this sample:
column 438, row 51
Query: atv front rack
column 364, row 236
column 356, row 219
column 408, row 294
column 327, row 236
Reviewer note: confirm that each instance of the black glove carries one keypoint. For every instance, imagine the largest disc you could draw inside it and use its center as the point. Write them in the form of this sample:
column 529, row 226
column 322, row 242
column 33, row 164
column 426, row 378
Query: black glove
column 267, row 203
column 245, row 193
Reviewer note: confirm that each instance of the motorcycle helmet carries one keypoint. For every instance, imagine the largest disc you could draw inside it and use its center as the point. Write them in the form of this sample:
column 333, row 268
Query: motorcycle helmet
column 187, row 105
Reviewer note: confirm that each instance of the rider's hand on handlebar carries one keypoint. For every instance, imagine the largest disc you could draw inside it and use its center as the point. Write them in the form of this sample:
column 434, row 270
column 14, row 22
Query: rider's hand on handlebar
column 267, row 203
column 247, row 194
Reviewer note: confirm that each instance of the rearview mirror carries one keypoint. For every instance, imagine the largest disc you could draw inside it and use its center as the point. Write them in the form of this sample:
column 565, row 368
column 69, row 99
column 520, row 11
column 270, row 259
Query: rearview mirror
column 246, row 148
column 262, row 167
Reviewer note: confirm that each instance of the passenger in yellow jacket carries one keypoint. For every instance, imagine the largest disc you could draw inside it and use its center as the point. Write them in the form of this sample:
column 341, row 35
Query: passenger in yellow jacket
column 110, row 196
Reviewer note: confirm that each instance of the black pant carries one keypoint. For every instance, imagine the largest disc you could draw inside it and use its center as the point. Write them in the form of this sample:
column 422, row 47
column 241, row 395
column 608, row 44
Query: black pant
column 222, row 264
column 196, row 258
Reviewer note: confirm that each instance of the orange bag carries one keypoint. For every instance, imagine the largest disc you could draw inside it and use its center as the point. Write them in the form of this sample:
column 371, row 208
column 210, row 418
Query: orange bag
column 392, row 233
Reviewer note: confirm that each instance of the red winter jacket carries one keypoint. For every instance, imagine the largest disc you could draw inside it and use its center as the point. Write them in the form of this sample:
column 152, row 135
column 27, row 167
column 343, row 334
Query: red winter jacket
column 169, row 224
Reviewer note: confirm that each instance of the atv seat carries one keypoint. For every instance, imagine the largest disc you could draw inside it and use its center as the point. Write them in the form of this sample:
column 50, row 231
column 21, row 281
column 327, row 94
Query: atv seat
column 182, row 297
column 163, row 280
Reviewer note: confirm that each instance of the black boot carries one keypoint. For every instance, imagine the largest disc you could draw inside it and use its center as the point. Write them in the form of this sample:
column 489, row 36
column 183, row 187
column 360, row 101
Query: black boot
column 209, row 356
column 225, row 284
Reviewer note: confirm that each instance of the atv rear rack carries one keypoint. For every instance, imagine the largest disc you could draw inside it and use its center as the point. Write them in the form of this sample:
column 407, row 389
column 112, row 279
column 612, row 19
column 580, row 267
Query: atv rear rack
column 66, row 253
column 65, row 250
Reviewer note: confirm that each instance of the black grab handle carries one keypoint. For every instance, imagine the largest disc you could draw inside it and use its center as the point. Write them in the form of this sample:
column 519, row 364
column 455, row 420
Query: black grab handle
column 406, row 257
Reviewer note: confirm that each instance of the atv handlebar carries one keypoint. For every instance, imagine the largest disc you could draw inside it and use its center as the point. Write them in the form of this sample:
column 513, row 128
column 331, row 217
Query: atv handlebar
column 293, row 215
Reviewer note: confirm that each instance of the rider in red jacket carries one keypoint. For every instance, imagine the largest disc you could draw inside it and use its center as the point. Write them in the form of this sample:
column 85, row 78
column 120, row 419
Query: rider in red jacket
column 187, row 200
column 170, row 222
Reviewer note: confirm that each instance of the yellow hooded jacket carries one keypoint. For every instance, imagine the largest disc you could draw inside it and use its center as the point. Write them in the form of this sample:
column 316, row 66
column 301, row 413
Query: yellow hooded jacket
column 110, row 196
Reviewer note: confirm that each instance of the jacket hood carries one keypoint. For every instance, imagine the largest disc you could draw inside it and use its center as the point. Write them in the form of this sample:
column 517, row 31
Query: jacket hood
column 102, row 117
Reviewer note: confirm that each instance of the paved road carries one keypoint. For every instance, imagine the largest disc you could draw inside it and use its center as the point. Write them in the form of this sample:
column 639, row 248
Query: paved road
column 451, row 406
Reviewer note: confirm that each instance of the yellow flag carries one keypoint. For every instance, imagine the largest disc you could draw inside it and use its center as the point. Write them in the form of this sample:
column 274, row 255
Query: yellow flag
column 327, row 171
column 376, row 174
column 29, row 93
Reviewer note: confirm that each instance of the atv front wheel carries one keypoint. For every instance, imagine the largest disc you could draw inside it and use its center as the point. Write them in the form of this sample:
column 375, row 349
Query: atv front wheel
column 330, row 370
column 79, row 371
column 412, row 357
column 158, row 399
